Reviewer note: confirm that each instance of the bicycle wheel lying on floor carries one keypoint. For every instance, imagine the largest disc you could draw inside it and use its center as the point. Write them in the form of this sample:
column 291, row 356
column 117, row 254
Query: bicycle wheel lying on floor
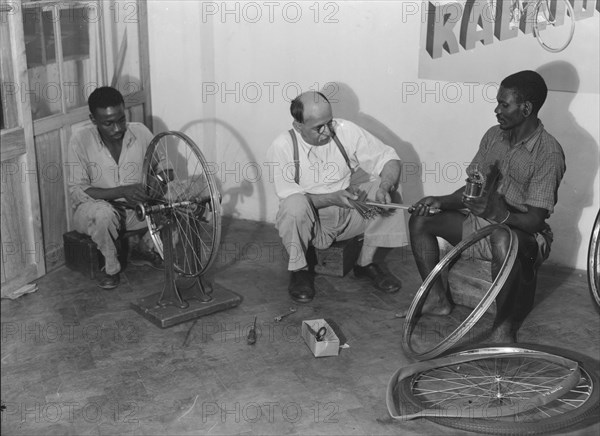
column 414, row 312
column 520, row 389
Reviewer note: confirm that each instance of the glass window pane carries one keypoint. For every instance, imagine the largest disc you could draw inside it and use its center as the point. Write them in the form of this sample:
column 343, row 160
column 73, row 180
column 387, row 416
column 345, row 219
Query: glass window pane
column 40, row 49
column 78, row 38
column 74, row 32
column 40, row 46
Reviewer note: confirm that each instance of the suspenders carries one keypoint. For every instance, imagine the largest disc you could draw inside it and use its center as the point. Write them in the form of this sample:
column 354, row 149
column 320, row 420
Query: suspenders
column 297, row 159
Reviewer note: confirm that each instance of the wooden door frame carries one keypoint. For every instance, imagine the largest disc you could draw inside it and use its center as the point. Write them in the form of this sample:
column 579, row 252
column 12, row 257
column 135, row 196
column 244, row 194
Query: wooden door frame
column 22, row 136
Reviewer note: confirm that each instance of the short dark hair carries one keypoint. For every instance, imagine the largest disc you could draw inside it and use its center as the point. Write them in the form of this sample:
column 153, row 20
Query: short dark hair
column 103, row 97
column 297, row 107
column 529, row 86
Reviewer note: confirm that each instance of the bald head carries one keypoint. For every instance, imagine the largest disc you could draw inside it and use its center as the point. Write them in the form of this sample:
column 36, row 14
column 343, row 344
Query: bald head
column 310, row 105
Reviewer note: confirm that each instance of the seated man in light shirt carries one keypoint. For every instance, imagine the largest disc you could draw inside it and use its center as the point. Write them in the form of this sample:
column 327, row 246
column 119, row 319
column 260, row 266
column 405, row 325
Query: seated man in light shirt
column 318, row 167
column 105, row 181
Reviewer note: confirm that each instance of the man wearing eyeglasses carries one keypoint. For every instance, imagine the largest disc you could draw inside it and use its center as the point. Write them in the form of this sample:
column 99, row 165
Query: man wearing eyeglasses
column 320, row 166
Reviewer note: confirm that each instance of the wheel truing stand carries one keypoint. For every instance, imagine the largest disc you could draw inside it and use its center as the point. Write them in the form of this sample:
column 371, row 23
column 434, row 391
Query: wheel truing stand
column 178, row 227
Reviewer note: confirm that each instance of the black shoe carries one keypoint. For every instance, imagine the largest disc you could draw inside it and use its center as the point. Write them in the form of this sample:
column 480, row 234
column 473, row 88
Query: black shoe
column 146, row 258
column 302, row 287
column 380, row 279
column 107, row 281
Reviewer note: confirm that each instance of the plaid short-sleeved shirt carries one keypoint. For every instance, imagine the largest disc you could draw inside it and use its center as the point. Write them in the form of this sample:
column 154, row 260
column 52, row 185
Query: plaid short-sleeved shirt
column 531, row 170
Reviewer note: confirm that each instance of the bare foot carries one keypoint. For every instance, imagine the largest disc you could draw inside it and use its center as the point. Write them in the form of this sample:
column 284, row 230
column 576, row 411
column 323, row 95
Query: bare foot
column 439, row 306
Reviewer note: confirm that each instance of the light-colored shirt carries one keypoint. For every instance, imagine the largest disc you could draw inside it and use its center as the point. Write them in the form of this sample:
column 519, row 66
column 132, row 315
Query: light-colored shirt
column 323, row 169
column 90, row 164
column 531, row 170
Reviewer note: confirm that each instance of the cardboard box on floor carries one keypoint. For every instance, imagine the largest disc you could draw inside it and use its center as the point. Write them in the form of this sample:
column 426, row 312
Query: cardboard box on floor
column 329, row 346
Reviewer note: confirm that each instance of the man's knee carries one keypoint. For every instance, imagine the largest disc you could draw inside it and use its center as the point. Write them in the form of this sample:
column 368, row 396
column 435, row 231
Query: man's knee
column 295, row 206
column 97, row 218
column 500, row 242
column 418, row 224
column 105, row 215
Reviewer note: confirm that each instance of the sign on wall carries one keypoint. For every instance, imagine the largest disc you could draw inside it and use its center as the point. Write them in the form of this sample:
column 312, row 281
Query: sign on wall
column 460, row 40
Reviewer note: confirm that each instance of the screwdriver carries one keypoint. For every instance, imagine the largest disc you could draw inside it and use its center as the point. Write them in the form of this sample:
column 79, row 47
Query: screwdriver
column 252, row 334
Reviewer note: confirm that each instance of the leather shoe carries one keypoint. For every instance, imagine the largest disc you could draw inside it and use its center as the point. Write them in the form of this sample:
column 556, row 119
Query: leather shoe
column 107, row 281
column 380, row 279
column 301, row 288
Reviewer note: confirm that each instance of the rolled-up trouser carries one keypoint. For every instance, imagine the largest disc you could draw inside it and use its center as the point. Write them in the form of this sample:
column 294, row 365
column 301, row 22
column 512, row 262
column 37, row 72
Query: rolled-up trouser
column 515, row 301
column 102, row 222
column 536, row 246
column 300, row 224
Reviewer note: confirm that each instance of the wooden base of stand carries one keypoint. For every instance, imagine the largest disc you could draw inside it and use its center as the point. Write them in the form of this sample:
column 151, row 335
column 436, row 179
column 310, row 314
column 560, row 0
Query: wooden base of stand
column 169, row 315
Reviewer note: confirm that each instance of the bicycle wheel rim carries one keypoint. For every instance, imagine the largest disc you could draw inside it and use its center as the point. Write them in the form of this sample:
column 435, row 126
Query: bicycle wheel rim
column 576, row 405
column 542, row 7
column 197, row 226
column 477, row 312
column 593, row 267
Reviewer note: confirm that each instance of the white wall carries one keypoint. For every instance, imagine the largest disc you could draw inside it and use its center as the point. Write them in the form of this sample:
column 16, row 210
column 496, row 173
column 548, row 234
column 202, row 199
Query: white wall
column 226, row 80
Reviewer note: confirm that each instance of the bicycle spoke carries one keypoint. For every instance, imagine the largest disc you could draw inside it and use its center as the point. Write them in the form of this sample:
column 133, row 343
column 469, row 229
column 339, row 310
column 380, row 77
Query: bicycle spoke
column 492, row 382
column 189, row 201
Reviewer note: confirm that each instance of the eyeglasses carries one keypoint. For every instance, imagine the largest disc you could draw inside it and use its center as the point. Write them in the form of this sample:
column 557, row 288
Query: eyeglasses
column 320, row 129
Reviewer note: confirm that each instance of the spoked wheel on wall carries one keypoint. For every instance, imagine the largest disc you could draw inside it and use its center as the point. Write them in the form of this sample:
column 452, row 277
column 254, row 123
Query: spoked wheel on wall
column 554, row 24
column 520, row 389
column 593, row 266
column 184, row 219
column 553, row 20
column 416, row 329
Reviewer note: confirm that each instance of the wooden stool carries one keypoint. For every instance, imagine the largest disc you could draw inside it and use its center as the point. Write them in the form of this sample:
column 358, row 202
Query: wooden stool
column 82, row 254
column 468, row 280
column 339, row 258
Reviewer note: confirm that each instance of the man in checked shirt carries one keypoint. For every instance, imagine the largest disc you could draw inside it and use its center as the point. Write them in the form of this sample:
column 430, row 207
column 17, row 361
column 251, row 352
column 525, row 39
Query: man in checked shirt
column 531, row 165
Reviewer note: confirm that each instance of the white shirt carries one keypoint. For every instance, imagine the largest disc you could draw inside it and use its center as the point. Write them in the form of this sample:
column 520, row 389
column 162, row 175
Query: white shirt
column 323, row 169
column 90, row 163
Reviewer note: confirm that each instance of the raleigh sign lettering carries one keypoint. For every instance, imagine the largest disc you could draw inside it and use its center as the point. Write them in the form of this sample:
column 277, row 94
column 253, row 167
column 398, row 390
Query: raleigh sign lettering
column 466, row 23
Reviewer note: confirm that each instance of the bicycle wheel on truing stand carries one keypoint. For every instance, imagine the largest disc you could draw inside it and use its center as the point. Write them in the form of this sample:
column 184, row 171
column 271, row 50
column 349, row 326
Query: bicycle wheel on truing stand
column 183, row 188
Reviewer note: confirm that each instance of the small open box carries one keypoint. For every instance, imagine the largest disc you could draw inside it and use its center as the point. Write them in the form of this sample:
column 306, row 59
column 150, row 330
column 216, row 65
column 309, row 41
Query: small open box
column 329, row 346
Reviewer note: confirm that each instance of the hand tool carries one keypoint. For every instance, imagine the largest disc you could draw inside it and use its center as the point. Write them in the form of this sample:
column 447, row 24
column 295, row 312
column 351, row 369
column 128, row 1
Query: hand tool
column 280, row 317
column 252, row 334
column 410, row 209
column 319, row 335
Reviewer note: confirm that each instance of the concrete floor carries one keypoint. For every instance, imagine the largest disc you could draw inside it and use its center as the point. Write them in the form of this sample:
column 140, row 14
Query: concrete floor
column 76, row 360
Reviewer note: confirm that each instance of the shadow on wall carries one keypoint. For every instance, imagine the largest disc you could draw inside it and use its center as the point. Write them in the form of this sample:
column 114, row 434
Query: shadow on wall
column 235, row 180
column 346, row 105
column 237, row 172
column 581, row 155
column 178, row 161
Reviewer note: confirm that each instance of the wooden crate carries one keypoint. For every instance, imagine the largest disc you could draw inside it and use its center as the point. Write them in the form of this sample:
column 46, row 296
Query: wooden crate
column 339, row 258
column 469, row 279
column 82, row 254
